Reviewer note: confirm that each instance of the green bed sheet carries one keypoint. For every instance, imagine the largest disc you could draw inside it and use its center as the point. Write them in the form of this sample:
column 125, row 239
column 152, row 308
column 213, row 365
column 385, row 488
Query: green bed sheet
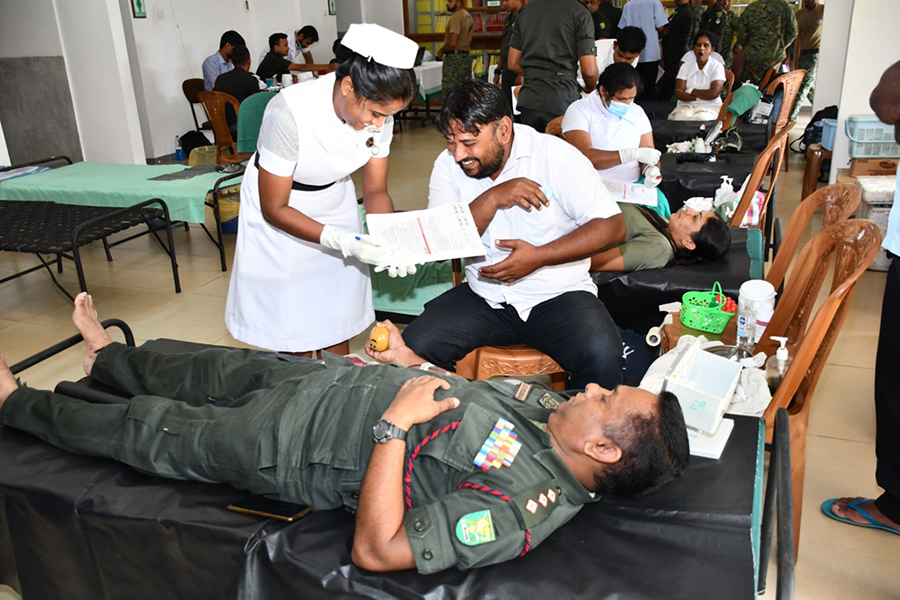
column 103, row 184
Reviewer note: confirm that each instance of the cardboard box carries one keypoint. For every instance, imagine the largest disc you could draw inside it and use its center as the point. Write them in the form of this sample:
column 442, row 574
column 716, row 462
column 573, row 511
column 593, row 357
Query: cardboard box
column 873, row 166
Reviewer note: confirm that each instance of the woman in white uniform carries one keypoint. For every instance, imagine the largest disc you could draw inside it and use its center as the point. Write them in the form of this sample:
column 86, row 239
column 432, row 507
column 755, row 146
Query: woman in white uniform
column 614, row 132
column 300, row 280
column 700, row 82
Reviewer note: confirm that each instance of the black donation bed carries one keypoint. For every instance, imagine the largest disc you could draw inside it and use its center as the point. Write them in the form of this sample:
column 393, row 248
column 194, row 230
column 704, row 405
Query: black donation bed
column 81, row 527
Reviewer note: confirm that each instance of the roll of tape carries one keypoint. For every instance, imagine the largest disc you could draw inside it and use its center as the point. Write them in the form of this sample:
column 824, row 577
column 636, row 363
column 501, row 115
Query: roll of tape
column 654, row 337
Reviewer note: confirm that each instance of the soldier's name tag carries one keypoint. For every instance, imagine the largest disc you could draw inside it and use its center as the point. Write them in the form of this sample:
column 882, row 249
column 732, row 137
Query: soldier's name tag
column 476, row 528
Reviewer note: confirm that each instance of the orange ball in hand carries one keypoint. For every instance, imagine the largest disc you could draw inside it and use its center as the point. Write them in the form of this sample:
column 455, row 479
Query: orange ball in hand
column 379, row 339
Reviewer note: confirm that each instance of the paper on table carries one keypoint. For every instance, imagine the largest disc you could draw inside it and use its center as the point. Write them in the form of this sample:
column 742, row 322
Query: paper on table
column 422, row 236
column 632, row 193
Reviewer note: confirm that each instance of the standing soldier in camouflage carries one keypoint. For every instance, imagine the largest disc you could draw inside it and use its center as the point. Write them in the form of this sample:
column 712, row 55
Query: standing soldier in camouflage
column 765, row 30
column 722, row 22
column 697, row 10
column 809, row 35
column 455, row 51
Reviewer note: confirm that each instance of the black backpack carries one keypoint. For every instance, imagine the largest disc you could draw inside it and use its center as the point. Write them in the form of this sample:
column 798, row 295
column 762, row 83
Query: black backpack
column 193, row 139
column 813, row 134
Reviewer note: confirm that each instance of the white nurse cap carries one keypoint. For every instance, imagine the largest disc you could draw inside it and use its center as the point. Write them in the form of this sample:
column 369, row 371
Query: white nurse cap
column 381, row 45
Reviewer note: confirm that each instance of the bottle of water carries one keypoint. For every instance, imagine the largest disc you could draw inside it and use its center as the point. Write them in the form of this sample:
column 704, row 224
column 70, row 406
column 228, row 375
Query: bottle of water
column 746, row 324
column 179, row 151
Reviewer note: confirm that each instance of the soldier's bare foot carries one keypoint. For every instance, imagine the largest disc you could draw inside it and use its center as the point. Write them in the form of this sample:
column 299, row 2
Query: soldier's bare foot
column 7, row 381
column 95, row 337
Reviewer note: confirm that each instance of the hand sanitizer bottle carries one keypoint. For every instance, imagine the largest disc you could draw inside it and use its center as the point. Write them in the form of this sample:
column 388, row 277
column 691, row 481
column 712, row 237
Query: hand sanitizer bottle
column 777, row 365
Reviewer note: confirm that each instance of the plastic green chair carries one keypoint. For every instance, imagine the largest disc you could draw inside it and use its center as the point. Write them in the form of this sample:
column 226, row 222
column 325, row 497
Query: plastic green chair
column 250, row 117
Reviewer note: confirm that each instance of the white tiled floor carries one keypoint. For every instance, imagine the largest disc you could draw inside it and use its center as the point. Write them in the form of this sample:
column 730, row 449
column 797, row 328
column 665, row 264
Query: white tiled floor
column 836, row 560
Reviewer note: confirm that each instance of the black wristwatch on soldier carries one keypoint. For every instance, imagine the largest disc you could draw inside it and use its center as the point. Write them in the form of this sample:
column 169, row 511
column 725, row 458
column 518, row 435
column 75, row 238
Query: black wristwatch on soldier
column 384, row 430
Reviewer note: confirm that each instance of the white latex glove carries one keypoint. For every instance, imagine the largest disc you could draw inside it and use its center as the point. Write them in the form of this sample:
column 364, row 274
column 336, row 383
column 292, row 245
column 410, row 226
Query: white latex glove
column 365, row 248
column 648, row 156
column 652, row 176
column 397, row 268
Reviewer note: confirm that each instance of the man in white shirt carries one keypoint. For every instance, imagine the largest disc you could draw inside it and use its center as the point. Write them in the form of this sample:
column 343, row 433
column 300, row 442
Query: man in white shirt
column 541, row 210
column 626, row 47
column 650, row 16
column 298, row 49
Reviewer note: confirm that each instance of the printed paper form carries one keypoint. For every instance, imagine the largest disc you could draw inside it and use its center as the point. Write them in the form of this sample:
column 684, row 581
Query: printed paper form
column 440, row 233
column 632, row 193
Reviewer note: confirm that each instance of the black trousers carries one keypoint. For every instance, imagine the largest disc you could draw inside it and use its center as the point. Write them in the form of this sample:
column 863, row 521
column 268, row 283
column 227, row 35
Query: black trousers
column 648, row 72
column 537, row 119
column 887, row 398
column 574, row 328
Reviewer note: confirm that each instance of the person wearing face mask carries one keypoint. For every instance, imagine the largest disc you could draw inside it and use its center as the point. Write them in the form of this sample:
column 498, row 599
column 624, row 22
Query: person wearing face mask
column 614, row 133
column 300, row 280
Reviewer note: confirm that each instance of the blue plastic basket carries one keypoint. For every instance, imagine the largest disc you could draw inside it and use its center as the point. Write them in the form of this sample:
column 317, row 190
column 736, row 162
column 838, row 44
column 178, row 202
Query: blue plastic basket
column 870, row 138
column 829, row 126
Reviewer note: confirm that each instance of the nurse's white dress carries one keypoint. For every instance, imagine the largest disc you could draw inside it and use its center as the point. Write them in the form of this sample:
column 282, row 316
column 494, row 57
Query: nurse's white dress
column 288, row 294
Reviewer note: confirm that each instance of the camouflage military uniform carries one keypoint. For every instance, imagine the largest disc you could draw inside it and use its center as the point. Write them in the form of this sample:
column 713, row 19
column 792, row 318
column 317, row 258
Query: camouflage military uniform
column 809, row 34
column 765, row 30
column 727, row 38
column 697, row 11
column 714, row 20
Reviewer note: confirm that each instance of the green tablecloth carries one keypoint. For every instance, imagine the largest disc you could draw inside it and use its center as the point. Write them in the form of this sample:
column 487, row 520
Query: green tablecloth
column 102, row 184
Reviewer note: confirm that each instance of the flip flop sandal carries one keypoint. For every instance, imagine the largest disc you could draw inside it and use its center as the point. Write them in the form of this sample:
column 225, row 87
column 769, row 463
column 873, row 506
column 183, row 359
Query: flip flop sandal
column 855, row 505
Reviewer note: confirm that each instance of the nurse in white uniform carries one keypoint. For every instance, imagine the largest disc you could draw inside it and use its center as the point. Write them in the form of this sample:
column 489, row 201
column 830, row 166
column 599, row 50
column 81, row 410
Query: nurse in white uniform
column 300, row 280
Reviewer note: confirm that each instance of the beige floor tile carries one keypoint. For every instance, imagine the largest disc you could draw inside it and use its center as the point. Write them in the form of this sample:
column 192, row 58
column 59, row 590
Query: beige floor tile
column 191, row 317
column 838, row 468
column 843, row 404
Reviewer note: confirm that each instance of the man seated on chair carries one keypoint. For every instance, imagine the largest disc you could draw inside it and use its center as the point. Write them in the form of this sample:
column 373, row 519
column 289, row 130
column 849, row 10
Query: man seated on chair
column 239, row 82
column 542, row 211
column 334, row 434
column 275, row 64
column 220, row 61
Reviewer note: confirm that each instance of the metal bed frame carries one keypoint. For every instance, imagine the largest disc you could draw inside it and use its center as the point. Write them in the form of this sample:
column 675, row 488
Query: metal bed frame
column 23, row 230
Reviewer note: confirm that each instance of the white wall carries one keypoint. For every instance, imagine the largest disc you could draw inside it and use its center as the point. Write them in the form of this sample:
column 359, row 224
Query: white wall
column 833, row 53
column 387, row 13
column 96, row 58
column 28, row 28
column 348, row 12
column 171, row 48
column 871, row 48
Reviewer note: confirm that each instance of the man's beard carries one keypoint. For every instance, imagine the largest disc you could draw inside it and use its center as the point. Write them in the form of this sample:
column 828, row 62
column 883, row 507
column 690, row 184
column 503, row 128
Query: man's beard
column 486, row 169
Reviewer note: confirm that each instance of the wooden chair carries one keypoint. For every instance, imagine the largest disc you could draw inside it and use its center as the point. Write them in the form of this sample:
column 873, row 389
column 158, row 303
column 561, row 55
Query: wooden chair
column 518, row 360
column 768, row 162
column 554, row 127
column 839, row 200
column 853, row 246
column 192, row 87
column 729, row 81
column 790, row 83
column 214, row 103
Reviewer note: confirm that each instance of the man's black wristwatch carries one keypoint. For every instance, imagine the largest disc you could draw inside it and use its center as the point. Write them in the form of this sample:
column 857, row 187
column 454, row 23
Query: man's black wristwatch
column 384, row 430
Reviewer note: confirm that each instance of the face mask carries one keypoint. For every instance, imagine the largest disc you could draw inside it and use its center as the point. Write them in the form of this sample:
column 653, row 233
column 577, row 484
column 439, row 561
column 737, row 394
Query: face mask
column 619, row 109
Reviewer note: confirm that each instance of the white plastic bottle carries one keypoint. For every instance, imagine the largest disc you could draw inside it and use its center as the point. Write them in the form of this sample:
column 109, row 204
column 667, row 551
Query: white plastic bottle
column 777, row 365
column 754, row 295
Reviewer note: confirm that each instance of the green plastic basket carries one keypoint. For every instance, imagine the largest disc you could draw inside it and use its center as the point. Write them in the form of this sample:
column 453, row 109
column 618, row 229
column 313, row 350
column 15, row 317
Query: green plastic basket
column 704, row 310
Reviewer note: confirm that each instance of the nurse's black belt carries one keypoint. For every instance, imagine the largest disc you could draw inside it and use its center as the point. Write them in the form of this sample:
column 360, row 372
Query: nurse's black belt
column 296, row 185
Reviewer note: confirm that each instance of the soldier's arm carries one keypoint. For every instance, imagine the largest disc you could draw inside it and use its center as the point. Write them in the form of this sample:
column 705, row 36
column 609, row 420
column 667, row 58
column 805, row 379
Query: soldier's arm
column 790, row 30
column 380, row 542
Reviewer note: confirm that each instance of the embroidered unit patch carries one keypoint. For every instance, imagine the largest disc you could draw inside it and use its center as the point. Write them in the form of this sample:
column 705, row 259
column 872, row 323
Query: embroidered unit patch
column 500, row 448
column 476, row 528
